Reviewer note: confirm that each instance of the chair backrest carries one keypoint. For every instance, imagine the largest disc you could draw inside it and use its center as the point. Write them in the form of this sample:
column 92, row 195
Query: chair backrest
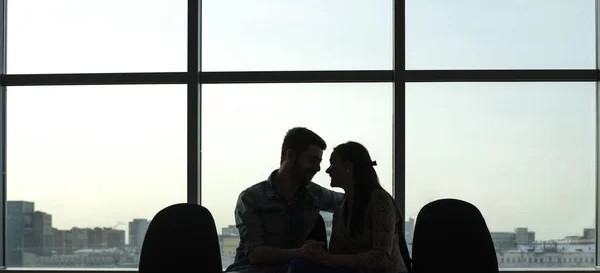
column 452, row 235
column 319, row 232
column 181, row 237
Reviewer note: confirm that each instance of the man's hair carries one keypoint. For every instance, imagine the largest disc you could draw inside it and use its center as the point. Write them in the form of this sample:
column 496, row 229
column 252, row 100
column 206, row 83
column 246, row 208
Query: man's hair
column 298, row 139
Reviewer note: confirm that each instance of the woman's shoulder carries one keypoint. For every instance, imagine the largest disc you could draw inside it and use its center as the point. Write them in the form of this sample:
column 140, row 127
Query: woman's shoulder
column 380, row 195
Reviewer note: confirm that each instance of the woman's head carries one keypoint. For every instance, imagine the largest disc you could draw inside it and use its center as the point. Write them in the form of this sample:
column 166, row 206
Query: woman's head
column 352, row 166
column 352, row 169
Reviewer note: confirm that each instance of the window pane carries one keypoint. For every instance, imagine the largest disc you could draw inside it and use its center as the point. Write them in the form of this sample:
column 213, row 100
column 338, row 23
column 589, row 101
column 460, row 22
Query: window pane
column 88, row 167
column 297, row 35
column 73, row 36
column 500, row 34
column 243, row 128
column 523, row 153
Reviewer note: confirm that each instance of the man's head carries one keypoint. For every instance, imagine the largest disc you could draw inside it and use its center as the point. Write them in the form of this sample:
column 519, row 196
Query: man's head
column 301, row 153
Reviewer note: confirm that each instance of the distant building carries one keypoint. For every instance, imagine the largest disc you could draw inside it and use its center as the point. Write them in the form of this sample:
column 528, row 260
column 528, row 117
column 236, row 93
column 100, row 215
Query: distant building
column 95, row 238
column 230, row 230
column 229, row 244
column 523, row 236
column 520, row 250
column 328, row 219
column 589, row 237
column 589, row 234
column 409, row 230
column 510, row 240
column 137, row 232
column 79, row 238
column 504, row 240
column 19, row 232
column 70, row 241
column 114, row 237
column 548, row 255
column 62, row 241
column 43, row 237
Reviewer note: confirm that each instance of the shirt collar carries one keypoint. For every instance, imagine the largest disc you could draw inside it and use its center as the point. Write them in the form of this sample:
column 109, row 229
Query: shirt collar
column 270, row 188
column 271, row 193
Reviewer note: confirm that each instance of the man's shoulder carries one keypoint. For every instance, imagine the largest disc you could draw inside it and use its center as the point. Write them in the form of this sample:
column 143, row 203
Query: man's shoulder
column 258, row 187
column 255, row 192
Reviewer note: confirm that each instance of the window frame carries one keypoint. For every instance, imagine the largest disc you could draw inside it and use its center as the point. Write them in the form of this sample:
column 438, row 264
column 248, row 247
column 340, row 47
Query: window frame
column 193, row 78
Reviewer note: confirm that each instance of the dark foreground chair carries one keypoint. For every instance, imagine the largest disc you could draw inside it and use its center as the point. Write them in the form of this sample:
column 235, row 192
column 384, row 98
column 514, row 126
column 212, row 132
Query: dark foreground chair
column 181, row 238
column 451, row 235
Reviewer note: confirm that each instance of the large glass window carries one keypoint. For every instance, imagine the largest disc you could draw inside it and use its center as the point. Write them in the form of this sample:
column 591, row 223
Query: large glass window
column 241, row 35
column 243, row 127
column 500, row 34
column 523, row 153
column 73, row 36
column 87, row 168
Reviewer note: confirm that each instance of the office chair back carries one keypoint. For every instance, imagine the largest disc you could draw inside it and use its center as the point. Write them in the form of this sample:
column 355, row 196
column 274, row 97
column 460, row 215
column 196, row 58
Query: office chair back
column 181, row 237
column 452, row 235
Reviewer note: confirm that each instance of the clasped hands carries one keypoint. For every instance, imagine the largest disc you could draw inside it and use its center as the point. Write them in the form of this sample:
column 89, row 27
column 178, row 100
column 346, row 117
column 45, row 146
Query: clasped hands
column 315, row 252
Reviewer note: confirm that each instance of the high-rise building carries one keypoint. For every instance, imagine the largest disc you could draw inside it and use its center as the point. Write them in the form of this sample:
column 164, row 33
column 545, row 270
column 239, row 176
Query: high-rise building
column 409, row 229
column 69, row 241
column 62, row 241
column 43, row 238
column 504, row 240
column 510, row 240
column 137, row 232
column 523, row 236
column 230, row 230
column 114, row 237
column 19, row 231
column 95, row 238
column 79, row 238
column 589, row 233
column 328, row 219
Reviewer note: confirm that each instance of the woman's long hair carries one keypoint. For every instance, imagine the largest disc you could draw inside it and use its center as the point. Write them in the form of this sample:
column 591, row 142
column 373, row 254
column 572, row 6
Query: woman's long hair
column 365, row 181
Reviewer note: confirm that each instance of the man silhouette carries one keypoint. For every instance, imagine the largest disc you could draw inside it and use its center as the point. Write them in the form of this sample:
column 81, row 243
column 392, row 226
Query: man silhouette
column 274, row 217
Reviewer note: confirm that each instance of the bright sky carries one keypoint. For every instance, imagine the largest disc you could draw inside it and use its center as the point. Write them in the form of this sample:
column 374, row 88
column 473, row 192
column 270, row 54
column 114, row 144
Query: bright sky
column 99, row 155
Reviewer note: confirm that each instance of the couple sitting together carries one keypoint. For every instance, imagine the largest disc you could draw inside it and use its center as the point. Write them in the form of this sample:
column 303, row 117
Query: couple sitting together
column 275, row 217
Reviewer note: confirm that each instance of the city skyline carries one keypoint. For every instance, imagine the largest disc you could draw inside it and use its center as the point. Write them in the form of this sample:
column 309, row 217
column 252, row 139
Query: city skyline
column 33, row 241
column 219, row 229
column 140, row 224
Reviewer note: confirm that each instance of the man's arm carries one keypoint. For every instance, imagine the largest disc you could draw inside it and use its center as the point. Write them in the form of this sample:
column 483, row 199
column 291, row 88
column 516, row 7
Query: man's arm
column 264, row 254
column 250, row 226
column 328, row 200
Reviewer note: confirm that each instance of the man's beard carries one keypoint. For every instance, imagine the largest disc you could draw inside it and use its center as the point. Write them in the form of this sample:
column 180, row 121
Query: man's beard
column 302, row 179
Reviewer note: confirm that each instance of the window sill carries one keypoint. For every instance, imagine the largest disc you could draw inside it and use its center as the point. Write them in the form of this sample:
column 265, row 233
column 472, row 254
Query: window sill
column 126, row 270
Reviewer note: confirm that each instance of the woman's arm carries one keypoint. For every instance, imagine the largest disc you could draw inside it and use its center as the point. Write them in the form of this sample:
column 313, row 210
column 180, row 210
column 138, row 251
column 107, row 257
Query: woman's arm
column 384, row 220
